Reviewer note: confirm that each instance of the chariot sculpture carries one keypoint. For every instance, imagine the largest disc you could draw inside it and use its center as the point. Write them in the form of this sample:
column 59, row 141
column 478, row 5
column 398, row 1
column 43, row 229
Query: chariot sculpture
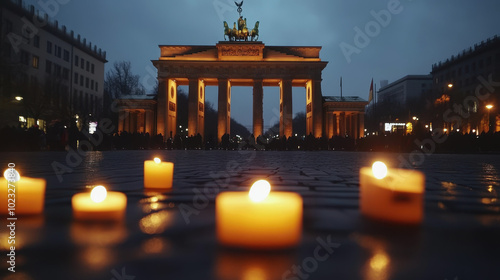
column 240, row 31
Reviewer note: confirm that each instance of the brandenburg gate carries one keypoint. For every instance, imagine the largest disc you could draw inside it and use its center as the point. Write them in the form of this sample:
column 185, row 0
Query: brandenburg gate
column 238, row 63
column 241, row 61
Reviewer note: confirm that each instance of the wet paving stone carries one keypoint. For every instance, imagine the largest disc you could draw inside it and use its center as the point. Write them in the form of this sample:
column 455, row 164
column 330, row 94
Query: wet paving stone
column 170, row 234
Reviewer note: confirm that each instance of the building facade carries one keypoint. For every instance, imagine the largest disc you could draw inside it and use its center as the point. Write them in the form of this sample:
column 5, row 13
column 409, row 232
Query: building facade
column 344, row 116
column 468, row 84
column 47, row 72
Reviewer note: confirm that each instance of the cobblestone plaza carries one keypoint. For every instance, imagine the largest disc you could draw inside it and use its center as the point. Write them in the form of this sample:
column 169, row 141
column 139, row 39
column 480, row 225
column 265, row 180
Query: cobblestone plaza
column 171, row 235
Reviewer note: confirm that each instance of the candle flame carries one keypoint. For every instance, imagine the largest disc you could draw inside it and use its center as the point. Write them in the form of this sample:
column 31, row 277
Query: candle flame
column 157, row 160
column 379, row 170
column 98, row 194
column 259, row 191
column 12, row 175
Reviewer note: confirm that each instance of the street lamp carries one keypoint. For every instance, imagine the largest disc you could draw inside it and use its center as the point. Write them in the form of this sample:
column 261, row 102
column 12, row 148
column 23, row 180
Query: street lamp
column 489, row 107
column 19, row 98
column 450, row 85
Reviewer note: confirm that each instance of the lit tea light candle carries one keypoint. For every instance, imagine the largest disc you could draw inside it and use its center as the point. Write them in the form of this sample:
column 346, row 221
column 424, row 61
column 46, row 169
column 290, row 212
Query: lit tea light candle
column 99, row 204
column 259, row 219
column 158, row 174
column 21, row 195
column 393, row 195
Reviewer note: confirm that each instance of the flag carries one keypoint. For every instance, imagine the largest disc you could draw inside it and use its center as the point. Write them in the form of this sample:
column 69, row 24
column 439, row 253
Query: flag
column 370, row 97
column 341, row 87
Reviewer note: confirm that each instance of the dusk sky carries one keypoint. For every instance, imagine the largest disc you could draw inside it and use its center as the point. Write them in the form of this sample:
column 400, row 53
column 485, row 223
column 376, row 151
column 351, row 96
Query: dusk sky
column 418, row 34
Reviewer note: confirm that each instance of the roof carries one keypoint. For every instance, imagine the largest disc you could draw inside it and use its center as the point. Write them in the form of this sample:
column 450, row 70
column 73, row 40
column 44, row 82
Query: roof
column 343, row 99
column 138, row 97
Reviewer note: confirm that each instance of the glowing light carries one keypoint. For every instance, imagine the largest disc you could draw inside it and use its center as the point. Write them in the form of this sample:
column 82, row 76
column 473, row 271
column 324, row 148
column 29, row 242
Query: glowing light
column 11, row 174
column 98, row 194
column 19, row 98
column 450, row 85
column 379, row 261
column 490, row 188
column 445, row 129
column 254, row 273
column 379, row 170
column 157, row 160
column 259, row 191
column 489, row 106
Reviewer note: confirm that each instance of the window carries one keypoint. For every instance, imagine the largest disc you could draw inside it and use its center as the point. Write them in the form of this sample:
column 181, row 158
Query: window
column 466, row 69
column 49, row 47
column 473, row 67
column 460, row 71
column 82, row 62
column 92, row 84
column 76, row 60
column 81, row 80
column 76, row 78
column 88, row 66
column 35, row 61
column 48, row 67
column 65, row 73
column 96, row 86
column 66, row 55
column 87, row 82
column 25, row 58
column 57, row 70
column 92, row 68
column 36, row 41
column 57, row 51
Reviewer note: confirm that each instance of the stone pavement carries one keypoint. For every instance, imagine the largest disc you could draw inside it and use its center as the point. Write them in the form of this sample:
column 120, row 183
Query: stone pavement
column 171, row 235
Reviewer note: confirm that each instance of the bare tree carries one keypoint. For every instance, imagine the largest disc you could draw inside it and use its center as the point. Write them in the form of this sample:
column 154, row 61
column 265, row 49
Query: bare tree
column 121, row 81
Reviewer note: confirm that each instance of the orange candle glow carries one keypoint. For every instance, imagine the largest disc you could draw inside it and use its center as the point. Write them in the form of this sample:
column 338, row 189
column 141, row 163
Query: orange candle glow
column 158, row 174
column 259, row 219
column 99, row 205
column 26, row 195
column 393, row 195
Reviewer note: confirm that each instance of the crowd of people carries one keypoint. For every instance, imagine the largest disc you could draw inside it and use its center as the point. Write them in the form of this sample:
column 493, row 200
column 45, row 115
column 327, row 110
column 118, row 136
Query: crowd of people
column 59, row 138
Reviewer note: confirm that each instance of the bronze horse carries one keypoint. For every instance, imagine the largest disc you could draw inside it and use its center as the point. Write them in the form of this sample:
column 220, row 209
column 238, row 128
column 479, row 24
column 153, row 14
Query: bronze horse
column 243, row 34
column 255, row 32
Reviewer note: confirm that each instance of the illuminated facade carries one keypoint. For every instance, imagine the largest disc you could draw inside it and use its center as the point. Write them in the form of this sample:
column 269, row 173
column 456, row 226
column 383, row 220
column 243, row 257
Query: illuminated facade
column 344, row 116
column 468, row 83
column 230, row 64
column 48, row 72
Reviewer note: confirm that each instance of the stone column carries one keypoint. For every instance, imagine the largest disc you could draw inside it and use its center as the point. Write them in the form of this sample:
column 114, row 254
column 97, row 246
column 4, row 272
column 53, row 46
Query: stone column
column 193, row 107
column 258, row 108
column 361, row 120
column 148, row 122
column 331, row 124
column 348, row 125
column 223, row 108
column 286, row 112
column 337, row 126
column 133, row 122
column 317, row 108
column 201, row 108
column 309, row 105
column 354, row 126
column 342, row 124
column 122, row 115
column 171, row 116
column 162, row 107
